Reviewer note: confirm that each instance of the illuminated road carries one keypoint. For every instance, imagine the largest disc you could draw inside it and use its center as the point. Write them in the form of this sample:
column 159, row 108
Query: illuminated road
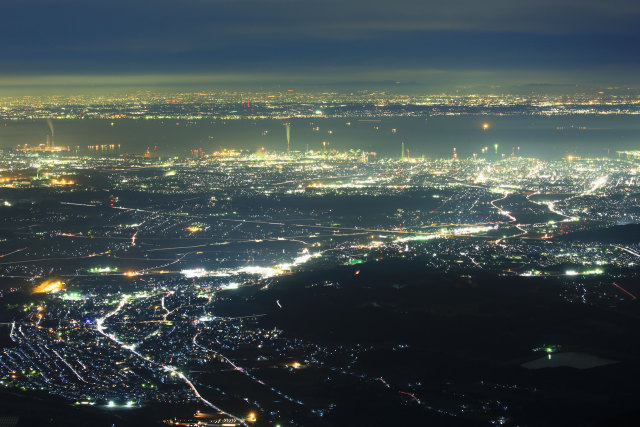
column 633, row 297
column 549, row 204
column 12, row 252
column 130, row 348
column 177, row 260
column 500, row 210
column 51, row 259
column 284, row 224
column 595, row 185
column 67, row 364
column 632, row 252
column 245, row 372
column 511, row 218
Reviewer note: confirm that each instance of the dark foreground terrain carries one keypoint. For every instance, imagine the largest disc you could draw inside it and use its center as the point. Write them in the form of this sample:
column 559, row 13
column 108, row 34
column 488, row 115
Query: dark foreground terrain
column 433, row 350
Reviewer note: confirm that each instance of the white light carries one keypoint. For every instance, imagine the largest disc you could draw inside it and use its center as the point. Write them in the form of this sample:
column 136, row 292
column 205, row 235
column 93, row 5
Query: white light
column 194, row 272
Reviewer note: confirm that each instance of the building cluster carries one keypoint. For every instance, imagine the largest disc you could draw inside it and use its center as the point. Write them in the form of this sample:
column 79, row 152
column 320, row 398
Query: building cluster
column 140, row 253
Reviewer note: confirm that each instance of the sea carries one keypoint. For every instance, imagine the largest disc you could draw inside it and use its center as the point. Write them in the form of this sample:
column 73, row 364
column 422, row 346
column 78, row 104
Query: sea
column 547, row 137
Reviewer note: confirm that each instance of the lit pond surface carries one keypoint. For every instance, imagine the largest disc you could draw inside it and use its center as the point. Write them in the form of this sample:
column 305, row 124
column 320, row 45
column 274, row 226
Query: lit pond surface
column 569, row 359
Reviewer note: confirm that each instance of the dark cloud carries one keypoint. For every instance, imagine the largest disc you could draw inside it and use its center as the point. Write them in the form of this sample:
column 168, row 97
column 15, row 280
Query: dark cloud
column 253, row 36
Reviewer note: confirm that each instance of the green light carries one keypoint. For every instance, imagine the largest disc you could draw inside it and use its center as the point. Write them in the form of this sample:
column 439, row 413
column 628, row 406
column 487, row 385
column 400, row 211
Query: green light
column 102, row 270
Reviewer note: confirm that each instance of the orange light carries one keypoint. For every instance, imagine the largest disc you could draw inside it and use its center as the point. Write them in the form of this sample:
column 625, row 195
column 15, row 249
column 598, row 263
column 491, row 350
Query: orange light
column 49, row 286
column 61, row 182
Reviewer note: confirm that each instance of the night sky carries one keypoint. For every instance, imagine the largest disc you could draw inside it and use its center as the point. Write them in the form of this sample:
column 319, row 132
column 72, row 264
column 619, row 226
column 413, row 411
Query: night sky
column 453, row 44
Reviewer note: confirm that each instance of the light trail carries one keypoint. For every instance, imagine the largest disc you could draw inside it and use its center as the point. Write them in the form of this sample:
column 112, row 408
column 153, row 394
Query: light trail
column 11, row 332
column 281, row 224
column 633, row 297
column 337, row 228
column 228, row 242
column 52, row 259
column 189, row 247
column 250, row 316
column 79, row 236
column 393, row 389
column 202, row 399
column 502, row 211
column 598, row 183
column 634, row 253
column 413, row 396
column 519, row 227
column 177, row 260
column 12, row 252
column 511, row 218
column 13, row 276
column 245, row 372
column 222, row 356
column 550, row 205
column 78, row 204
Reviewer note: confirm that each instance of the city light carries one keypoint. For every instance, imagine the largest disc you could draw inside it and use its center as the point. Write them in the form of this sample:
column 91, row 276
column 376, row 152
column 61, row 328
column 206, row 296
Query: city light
column 281, row 269
column 49, row 286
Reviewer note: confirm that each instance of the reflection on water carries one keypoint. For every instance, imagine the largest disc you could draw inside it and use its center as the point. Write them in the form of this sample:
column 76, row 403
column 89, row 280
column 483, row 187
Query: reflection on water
column 570, row 359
